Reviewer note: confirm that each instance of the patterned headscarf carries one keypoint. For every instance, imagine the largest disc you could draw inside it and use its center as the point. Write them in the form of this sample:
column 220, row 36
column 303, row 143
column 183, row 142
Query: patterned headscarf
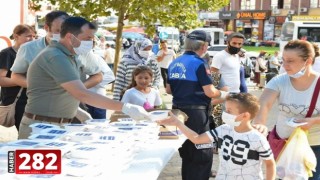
column 132, row 54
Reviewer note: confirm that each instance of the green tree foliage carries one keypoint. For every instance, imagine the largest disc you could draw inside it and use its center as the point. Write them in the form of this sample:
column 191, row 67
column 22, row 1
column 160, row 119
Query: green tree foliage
column 177, row 13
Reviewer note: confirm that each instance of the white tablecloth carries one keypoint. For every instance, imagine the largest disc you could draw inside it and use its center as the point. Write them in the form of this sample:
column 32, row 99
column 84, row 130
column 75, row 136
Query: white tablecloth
column 147, row 163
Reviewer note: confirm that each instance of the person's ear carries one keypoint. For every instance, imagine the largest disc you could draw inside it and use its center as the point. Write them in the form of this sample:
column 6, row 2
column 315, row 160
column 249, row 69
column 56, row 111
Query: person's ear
column 15, row 36
column 46, row 28
column 309, row 61
column 246, row 115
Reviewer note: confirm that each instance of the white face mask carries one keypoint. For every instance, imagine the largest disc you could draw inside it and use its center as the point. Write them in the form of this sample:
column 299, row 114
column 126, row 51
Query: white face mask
column 230, row 119
column 144, row 54
column 55, row 37
column 84, row 48
column 299, row 73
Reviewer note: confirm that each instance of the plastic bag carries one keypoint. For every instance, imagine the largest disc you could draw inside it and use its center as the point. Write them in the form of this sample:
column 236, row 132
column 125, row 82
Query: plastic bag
column 297, row 160
column 8, row 134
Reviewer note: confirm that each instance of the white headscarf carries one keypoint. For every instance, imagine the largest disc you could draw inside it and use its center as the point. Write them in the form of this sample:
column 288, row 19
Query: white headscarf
column 132, row 54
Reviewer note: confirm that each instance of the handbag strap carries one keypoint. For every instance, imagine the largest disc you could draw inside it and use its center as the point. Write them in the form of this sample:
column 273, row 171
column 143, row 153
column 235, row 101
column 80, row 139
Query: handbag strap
column 18, row 95
column 314, row 98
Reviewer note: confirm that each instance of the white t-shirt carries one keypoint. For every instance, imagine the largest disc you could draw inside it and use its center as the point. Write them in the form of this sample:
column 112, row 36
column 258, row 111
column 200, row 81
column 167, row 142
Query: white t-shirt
column 240, row 154
column 166, row 59
column 136, row 97
column 275, row 60
column 282, row 70
column 294, row 103
column 316, row 65
column 229, row 68
column 109, row 55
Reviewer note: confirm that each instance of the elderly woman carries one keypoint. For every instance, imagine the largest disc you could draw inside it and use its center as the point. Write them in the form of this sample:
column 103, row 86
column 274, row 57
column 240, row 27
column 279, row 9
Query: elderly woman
column 138, row 54
column 293, row 91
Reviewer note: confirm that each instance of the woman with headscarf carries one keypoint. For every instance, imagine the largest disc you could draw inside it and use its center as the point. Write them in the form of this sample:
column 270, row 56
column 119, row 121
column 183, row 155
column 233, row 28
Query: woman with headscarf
column 138, row 54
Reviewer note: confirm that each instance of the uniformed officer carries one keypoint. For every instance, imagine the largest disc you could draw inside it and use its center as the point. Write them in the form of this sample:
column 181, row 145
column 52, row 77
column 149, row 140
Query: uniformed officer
column 190, row 84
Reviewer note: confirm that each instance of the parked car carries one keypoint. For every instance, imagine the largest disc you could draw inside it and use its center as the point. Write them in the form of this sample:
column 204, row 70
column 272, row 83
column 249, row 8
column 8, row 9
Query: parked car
column 269, row 43
column 214, row 49
column 250, row 42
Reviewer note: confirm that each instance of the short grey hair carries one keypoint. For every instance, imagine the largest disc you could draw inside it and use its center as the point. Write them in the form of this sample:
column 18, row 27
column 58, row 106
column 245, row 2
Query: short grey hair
column 192, row 44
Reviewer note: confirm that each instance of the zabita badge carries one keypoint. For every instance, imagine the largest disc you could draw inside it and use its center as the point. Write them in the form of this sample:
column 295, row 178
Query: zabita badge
column 34, row 161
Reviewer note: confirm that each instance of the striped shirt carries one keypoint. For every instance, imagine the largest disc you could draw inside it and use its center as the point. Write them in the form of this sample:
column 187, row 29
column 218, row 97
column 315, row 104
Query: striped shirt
column 240, row 154
column 124, row 76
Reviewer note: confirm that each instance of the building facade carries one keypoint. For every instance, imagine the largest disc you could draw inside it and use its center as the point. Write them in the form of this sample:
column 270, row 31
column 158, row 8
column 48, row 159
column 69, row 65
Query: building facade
column 261, row 20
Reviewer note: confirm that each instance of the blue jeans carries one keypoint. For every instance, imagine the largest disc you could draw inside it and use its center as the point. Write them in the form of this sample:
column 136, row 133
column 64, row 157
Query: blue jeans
column 96, row 113
column 316, row 175
column 243, row 84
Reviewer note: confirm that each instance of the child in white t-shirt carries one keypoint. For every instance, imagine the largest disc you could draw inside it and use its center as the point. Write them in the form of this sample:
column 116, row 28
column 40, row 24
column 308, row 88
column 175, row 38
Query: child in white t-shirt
column 140, row 91
column 241, row 148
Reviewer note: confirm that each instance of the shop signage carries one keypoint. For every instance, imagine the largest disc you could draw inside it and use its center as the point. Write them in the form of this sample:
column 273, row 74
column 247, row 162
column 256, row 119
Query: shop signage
column 305, row 18
column 272, row 20
column 280, row 19
column 253, row 14
column 227, row 15
column 208, row 15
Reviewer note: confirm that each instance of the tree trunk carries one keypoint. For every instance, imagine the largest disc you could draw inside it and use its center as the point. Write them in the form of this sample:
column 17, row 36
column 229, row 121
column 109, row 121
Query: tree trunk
column 118, row 40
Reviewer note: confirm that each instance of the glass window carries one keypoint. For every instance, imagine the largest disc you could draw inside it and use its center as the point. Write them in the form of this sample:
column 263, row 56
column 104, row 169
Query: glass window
column 314, row 3
column 274, row 4
column 243, row 4
column 287, row 31
column 248, row 4
column 253, row 4
column 287, row 4
column 311, row 34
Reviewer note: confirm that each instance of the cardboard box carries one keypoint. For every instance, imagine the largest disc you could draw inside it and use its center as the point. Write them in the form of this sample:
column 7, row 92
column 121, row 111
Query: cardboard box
column 117, row 115
column 172, row 132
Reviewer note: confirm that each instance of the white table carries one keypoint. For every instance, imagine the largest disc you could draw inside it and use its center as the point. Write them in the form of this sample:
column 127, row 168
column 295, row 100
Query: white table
column 147, row 163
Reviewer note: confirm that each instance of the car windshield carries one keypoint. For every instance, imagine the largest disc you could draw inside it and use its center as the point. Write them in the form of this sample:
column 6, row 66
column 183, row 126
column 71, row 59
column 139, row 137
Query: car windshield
column 287, row 31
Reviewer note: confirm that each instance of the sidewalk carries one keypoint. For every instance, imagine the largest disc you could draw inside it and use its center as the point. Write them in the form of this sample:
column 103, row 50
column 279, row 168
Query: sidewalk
column 172, row 171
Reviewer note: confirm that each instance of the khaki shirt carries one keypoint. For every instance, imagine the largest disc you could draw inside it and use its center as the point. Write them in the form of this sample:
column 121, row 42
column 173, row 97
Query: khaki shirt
column 52, row 67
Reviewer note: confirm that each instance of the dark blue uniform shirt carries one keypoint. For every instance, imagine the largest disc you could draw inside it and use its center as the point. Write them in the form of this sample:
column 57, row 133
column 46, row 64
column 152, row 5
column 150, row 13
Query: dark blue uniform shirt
column 186, row 76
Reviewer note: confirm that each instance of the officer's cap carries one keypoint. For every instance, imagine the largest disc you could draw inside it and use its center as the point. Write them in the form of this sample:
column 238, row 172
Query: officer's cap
column 199, row 35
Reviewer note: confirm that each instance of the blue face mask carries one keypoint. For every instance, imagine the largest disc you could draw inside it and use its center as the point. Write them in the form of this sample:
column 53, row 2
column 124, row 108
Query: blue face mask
column 299, row 73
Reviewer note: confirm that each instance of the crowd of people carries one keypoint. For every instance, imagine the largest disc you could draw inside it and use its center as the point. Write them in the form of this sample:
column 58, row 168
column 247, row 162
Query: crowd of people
column 60, row 76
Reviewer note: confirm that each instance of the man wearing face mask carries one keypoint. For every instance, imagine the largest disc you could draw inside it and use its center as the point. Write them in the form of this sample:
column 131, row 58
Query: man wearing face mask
column 227, row 62
column 138, row 54
column 190, row 83
column 29, row 51
column 54, row 85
